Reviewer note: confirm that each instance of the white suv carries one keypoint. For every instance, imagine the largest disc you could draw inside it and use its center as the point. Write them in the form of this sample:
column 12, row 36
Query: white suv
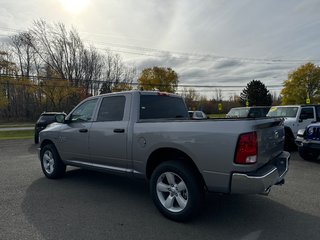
column 295, row 117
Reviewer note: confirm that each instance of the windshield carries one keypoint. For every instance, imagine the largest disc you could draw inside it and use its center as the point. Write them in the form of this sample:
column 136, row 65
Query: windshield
column 283, row 112
column 238, row 113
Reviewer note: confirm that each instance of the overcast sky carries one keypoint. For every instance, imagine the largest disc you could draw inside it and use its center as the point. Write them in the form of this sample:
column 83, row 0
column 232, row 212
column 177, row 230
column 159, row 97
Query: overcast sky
column 207, row 42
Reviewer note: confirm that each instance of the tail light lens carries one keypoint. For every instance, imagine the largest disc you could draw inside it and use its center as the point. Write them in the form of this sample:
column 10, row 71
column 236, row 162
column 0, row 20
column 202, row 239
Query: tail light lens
column 247, row 149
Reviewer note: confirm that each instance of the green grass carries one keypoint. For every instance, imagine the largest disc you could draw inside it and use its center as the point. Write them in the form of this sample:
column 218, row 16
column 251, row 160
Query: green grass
column 18, row 134
column 16, row 124
column 220, row 115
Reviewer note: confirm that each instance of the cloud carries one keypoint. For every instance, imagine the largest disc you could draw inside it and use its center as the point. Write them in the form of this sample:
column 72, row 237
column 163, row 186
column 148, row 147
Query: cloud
column 222, row 73
column 4, row 39
column 227, row 63
column 6, row 18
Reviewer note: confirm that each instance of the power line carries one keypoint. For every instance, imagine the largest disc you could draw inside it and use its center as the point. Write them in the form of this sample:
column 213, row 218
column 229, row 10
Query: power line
column 187, row 54
column 34, row 77
column 211, row 58
column 191, row 56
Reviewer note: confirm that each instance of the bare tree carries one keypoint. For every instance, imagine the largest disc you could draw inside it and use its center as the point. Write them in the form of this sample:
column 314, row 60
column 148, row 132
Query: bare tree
column 64, row 51
column 218, row 94
column 117, row 76
column 49, row 68
column 191, row 97
column 25, row 54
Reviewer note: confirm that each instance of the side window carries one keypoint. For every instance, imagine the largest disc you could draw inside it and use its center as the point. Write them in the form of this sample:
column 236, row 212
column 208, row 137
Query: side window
column 306, row 113
column 162, row 107
column 199, row 114
column 111, row 109
column 84, row 112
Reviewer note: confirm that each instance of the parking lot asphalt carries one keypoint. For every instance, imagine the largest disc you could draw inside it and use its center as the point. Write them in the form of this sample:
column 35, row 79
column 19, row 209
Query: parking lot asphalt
column 91, row 205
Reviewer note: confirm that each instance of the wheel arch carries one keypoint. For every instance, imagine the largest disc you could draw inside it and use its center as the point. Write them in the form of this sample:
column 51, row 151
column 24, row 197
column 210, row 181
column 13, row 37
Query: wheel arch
column 46, row 142
column 161, row 155
column 288, row 131
column 289, row 144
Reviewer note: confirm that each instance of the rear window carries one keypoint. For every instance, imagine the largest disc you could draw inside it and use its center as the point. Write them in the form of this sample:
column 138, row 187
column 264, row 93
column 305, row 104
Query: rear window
column 238, row 113
column 47, row 118
column 162, row 107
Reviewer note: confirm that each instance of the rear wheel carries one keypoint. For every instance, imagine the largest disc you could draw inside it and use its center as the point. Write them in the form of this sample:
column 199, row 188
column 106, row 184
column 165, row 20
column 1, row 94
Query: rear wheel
column 308, row 155
column 176, row 191
column 51, row 163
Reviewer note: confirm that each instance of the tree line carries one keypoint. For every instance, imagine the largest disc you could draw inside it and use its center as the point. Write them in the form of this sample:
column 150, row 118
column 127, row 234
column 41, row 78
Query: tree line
column 49, row 68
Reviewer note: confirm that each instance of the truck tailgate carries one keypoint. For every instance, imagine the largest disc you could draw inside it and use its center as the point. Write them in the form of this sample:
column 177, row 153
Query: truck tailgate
column 270, row 138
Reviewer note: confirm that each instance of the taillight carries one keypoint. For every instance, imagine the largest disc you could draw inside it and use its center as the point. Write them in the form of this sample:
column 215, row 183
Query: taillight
column 247, row 149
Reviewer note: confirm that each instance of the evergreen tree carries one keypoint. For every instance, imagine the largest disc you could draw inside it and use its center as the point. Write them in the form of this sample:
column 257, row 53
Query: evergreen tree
column 256, row 94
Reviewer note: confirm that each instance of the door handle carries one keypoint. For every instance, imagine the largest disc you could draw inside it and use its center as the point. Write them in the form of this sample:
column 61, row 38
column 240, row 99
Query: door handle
column 83, row 130
column 118, row 130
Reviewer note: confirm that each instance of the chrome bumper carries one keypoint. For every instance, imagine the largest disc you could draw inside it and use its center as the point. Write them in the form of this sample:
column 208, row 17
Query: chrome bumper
column 261, row 180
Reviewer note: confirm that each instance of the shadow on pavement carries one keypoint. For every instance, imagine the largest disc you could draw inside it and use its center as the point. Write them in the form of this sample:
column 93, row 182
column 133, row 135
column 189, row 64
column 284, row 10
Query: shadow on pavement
column 91, row 205
column 33, row 148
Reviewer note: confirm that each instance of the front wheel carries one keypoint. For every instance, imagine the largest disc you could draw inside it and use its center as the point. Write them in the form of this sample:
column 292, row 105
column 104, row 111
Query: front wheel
column 51, row 163
column 176, row 191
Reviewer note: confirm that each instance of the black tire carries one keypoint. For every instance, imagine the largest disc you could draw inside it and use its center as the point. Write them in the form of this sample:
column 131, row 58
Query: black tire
column 36, row 138
column 51, row 163
column 308, row 155
column 192, row 198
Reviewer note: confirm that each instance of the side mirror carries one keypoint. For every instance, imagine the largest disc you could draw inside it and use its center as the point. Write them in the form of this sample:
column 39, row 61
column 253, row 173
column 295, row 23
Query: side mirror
column 60, row 118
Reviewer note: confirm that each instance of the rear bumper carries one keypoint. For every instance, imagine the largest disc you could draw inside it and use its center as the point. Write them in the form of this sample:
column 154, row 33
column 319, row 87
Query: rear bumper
column 263, row 179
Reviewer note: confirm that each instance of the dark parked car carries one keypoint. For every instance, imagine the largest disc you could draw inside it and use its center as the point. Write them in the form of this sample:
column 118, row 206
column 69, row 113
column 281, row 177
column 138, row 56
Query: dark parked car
column 308, row 141
column 44, row 120
column 248, row 112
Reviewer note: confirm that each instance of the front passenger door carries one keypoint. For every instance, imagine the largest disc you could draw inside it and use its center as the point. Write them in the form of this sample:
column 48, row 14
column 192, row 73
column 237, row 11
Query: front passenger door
column 73, row 139
column 306, row 117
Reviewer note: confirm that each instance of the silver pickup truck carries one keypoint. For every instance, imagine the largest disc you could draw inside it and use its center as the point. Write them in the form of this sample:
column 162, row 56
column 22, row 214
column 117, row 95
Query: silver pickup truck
column 149, row 135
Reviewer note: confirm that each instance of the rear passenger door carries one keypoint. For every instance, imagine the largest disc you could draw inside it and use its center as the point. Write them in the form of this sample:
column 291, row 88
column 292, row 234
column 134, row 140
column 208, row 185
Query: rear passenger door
column 108, row 134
